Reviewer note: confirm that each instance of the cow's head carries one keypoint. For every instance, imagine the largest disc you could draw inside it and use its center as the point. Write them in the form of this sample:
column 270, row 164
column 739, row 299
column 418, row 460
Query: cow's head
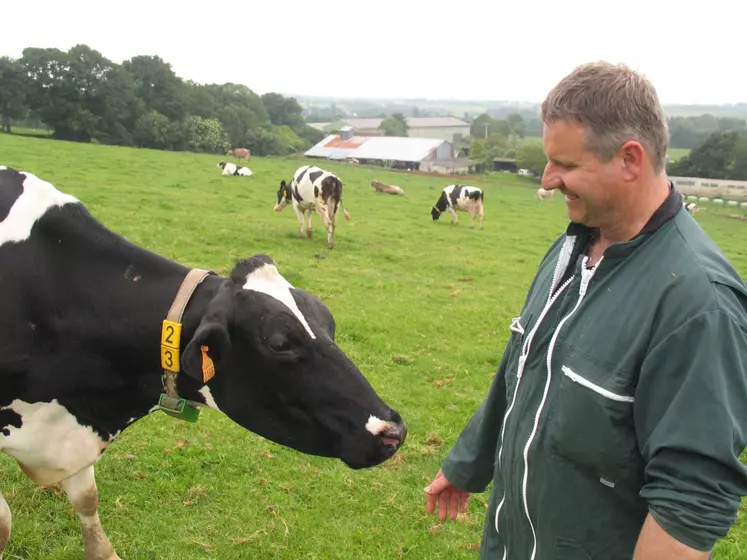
column 284, row 196
column 222, row 165
column 439, row 207
column 279, row 373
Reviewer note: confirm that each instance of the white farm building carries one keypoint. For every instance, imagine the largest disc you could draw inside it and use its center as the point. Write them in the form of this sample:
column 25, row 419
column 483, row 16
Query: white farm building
column 397, row 152
column 444, row 128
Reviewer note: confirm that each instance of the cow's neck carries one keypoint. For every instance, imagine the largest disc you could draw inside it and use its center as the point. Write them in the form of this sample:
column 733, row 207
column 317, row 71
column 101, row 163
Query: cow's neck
column 111, row 297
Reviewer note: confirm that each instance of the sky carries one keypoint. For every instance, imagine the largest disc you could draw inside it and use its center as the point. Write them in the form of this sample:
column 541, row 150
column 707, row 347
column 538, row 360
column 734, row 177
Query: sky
column 470, row 49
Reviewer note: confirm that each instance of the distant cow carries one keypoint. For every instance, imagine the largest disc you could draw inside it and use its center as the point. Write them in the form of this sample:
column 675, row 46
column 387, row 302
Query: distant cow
column 384, row 188
column 96, row 333
column 459, row 198
column 233, row 169
column 313, row 189
column 690, row 207
column 542, row 193
column 239, row 153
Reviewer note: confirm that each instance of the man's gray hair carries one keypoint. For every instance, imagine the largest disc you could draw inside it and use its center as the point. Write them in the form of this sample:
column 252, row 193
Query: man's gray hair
column 615, row 104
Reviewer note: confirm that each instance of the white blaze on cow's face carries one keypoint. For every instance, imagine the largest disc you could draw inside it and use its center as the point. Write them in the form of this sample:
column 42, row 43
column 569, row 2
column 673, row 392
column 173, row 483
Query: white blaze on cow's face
column 37, row 197
column 268, row 280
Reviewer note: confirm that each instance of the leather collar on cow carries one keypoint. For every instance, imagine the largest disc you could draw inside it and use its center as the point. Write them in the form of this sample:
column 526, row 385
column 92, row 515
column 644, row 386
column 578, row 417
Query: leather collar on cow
column 171, row 331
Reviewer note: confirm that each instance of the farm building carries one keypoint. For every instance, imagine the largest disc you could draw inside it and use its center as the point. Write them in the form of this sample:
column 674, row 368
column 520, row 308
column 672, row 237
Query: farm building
column 725, row 189
column 399, row 152
column 505, row 164
column 457, row 166
column 445, row 128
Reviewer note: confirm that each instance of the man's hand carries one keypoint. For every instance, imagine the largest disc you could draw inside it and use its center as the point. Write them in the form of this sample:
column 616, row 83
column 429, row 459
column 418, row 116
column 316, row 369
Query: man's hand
column 450, row 498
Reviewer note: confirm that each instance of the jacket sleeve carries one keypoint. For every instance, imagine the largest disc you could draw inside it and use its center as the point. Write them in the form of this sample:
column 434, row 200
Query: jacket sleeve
column 691, row 421
column 469, row 464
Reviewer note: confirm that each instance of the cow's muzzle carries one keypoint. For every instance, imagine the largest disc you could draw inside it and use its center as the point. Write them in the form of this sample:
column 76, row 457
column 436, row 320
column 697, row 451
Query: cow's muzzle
column 393, row 437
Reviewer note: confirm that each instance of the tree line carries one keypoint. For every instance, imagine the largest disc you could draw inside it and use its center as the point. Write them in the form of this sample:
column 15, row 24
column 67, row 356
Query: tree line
column 723, row 155
column 82, row 96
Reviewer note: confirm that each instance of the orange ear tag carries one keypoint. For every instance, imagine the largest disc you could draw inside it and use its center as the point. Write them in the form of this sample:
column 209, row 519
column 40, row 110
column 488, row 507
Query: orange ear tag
column 208, row 369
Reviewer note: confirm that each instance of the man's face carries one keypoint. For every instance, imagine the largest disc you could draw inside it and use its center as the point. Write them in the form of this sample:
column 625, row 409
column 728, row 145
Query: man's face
column 591, row 187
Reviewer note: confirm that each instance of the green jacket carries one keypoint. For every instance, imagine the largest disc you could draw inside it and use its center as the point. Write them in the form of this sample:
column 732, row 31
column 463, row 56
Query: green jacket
column 622, row 391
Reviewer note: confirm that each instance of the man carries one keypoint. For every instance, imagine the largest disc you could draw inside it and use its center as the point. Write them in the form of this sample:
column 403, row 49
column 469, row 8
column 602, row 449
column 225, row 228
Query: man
column 614, row 424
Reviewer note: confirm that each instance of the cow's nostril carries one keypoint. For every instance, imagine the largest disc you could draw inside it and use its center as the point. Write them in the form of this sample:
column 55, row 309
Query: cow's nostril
column 394, row 435
column 391, row 441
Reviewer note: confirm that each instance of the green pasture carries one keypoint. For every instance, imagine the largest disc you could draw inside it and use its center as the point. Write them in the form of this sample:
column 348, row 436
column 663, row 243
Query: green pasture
column 422, row 308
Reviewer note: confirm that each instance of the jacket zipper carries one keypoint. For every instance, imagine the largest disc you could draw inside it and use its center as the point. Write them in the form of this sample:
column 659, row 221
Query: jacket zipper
column 576, row 378
column 562, row 262
column 586, row 275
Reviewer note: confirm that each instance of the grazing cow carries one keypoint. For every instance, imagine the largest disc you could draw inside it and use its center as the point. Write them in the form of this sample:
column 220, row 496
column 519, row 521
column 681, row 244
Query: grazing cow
column 232, row 169
column 239, row 153
column 459, row 197
column 313, row 189
column 96, row 333
column 384, row 188
column 542, row 193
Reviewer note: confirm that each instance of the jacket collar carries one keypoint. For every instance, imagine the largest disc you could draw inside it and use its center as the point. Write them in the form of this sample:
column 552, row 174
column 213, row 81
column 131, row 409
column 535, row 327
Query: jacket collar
column 584, row 235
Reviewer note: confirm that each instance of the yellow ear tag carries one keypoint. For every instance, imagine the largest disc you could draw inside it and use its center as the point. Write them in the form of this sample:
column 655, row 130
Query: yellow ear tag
column 285, row 193
column 208, row 369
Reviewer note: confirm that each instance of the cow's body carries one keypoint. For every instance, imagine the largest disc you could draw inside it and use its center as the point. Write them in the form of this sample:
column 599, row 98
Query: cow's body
column 384, row 188
column 81, row 313
column 461, row 198
column 542, row 193
column 239, row 153
column 233, row 169
column 313, row 190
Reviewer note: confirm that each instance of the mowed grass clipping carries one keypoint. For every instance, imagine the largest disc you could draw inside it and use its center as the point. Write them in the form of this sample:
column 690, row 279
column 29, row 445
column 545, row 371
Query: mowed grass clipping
column 422, row 308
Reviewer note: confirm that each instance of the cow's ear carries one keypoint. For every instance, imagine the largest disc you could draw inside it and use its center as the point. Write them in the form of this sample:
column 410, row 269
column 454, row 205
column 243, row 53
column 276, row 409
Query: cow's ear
column 206, row 353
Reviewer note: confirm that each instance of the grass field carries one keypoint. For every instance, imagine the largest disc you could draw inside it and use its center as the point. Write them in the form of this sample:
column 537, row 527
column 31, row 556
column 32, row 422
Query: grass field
column 423, row 308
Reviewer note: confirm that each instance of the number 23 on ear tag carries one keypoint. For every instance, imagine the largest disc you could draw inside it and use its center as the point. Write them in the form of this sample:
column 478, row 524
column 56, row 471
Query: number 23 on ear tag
column 170, row 341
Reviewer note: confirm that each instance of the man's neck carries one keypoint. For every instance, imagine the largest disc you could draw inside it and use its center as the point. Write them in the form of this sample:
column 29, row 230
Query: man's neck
column 634, row 215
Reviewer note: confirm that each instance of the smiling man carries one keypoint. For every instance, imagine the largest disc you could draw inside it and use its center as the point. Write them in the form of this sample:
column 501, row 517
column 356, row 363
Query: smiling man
column 615, row 422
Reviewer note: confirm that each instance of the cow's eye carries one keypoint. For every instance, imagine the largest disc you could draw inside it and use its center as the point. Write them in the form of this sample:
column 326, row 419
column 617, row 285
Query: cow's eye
column 279, row 343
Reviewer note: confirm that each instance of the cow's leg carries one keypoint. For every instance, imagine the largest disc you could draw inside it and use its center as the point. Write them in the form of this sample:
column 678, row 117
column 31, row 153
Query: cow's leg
column 309, row 213
column 5, row 520
column 331, row 234
column 454, row 218
column 481, row 213
column 328, row 217
column 300, row 214
column 83, row 495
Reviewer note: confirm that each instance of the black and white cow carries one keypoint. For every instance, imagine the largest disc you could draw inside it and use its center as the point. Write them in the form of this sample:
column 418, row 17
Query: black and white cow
column 83, row 345
column 233, row 169
column 462, row 198
column 313, row 190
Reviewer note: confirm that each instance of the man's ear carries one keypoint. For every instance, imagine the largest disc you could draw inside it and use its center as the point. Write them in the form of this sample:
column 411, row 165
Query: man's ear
column 207, row 352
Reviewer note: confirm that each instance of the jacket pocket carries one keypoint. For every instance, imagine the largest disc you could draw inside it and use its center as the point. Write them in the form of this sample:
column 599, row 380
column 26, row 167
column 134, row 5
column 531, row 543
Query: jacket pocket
column 591, row 422
column 569, row 549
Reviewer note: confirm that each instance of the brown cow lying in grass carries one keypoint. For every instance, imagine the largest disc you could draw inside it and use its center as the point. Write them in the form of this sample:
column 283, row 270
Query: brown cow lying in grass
column 383, row 187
